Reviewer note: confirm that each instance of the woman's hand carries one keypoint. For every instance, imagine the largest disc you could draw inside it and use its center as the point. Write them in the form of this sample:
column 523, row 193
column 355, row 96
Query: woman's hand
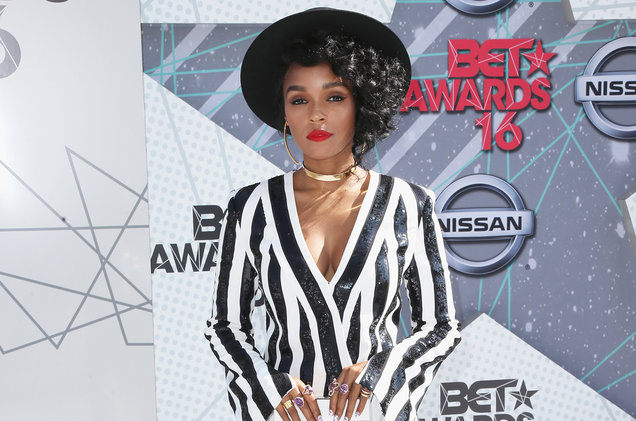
column 302, row 398
column 346, row 392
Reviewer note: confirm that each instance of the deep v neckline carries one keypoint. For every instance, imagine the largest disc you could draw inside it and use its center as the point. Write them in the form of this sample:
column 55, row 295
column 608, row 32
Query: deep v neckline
column 360, row 220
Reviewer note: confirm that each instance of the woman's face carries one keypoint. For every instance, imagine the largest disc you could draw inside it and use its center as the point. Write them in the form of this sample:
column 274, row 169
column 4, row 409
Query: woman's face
column 320, row 111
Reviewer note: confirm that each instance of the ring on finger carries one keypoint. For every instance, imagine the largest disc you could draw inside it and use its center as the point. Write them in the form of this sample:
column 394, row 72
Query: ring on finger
column 299, row 401
column 333, row 386
column 365, row 393
column 288, row 404
column 308, row 390
column 344, row 388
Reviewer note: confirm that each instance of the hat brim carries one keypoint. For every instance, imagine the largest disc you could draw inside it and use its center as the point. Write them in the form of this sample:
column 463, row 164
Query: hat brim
column 263, row 68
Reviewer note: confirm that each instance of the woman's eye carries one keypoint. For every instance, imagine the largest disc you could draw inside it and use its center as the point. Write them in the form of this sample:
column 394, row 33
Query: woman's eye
column 298, row 101
column 336, row 98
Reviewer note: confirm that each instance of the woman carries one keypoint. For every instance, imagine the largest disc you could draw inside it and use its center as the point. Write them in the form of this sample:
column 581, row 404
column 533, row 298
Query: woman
column 329, row 246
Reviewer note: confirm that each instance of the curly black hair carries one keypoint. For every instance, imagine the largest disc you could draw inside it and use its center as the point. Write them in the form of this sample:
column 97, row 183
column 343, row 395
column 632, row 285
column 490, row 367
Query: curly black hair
column 376, row 80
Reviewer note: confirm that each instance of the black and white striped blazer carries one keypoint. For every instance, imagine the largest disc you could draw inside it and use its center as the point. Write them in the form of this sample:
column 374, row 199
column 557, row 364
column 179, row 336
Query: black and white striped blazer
column 314, row 327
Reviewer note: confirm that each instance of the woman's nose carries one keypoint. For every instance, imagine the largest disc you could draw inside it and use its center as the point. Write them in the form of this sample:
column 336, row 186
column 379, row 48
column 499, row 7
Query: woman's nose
column 317, row 115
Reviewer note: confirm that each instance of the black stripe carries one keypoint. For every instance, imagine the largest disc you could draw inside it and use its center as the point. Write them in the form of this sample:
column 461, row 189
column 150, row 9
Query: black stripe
column 307, row 344
column 303, row 275
column 405, row 412
column 364, row 243
column 400, row 228
column 420, row 379
column 398, row 378
column 226, row 259
column 374, row 369
column 278, row 300
column 271, row 346
column 247, row 296
column 394, row 310
column 240, row 396
column 242, row 359
column 380, row 294
column 256, row 236
column 415, row 295
column 425, row 212
column 353, row 338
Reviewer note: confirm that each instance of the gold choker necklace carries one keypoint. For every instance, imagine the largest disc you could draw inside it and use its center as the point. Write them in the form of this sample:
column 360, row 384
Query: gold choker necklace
column 330, row 177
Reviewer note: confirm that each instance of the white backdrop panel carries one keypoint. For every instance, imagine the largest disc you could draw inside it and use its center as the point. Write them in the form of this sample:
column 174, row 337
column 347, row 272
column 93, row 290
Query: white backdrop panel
column 76, row 337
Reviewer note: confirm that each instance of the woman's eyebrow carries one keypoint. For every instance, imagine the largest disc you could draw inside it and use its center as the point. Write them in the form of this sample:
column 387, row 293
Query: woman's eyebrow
column 333, row 84
column 295, row 88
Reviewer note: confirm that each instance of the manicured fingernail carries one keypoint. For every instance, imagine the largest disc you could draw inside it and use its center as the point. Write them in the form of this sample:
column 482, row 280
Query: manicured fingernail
column 330, row 413
column 357, row 414
column 335, row 418
column 319, row 417
column 345, row 419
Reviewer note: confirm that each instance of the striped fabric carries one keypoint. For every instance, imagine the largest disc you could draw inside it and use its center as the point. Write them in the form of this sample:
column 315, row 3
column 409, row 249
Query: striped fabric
column 315, row 327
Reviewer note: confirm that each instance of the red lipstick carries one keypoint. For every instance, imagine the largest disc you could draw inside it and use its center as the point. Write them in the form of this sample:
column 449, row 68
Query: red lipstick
column 318, row 135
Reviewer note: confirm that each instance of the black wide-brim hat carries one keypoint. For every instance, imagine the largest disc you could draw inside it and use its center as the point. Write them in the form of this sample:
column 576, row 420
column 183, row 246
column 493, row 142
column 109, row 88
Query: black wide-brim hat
column 263, row 68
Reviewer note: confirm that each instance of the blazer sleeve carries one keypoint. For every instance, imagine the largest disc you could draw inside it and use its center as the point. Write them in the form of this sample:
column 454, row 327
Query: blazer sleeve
column 400, row 375
column 255, row 388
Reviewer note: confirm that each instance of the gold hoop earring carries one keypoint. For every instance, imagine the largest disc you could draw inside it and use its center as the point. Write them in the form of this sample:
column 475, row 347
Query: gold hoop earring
column 286, row 145
column 364, row 145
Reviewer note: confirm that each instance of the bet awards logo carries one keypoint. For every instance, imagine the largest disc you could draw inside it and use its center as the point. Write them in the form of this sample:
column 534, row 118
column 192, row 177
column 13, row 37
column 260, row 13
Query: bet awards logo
column 206, row 229
column 479, row 231
column 486, row 400
column 487, row 77
column 600, row 87
column 479, row 7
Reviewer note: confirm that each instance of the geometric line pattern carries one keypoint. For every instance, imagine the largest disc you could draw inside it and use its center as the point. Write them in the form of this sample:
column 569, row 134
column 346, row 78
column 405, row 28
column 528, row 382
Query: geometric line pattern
column 126, row 299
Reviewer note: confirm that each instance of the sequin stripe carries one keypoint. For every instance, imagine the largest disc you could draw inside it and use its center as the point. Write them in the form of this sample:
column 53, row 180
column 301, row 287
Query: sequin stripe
column 257, row 231
column 380, row 297
column 432, row 247
column 307, row 345
column 405, row 412
column 409, row 359
column 243, row 362
column 414, row 291
column 242, row 399
column 386, row 340
column 274, row 286
column 246, row 299
column 438, row 272
column 353, row 337
column 400, row 228
column 377, row 330
column 423, row 379
column 303, row 275
column 364, row 243
column 373, row 370
column 225, row 260
column 273, row 338
column 398, row 379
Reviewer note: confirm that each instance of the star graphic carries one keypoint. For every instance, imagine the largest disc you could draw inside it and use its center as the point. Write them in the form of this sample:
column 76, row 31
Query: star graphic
column 523, row 396
column 539, row 59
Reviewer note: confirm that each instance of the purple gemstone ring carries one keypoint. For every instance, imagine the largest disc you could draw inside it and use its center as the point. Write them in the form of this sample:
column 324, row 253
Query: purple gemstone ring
column 344, row 388
column 299, row 401
column 308, row 390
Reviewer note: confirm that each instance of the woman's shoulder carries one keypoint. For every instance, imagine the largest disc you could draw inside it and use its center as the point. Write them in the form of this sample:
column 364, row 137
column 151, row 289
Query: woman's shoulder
column 409, row 187
column 251, row 191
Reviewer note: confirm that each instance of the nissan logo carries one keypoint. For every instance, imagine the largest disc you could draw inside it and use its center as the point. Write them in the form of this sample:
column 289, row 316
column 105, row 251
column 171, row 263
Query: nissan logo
column 596, row 87
column 483, row 224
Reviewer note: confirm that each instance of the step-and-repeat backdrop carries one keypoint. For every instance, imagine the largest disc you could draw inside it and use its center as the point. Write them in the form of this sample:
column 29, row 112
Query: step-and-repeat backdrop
column 520, row 118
